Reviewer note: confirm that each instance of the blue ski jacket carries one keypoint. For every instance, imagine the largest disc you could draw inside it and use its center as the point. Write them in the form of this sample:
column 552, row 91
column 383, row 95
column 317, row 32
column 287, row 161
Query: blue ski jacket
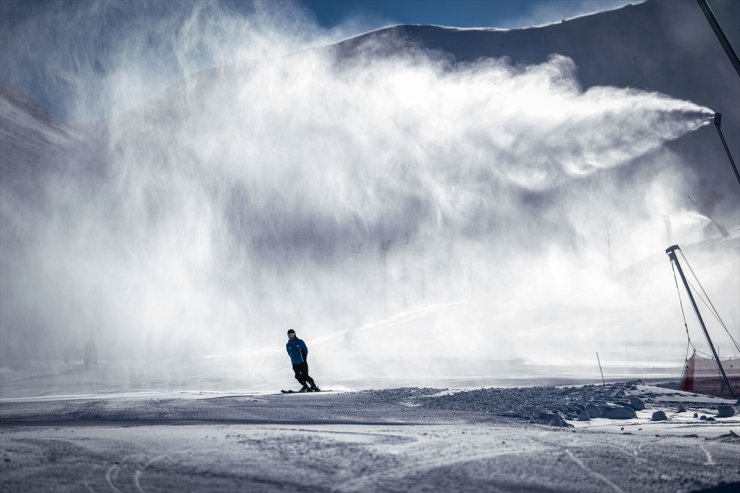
column 297, row 351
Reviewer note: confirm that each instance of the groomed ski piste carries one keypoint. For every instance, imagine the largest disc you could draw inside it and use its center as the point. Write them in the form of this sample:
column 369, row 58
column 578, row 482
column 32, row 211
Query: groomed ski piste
column 405, row 439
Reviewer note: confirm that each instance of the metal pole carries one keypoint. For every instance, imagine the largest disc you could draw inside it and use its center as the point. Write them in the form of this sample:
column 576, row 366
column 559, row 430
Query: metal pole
column 603, row 382
column 671, row 251
column 718, row 126
column 720, row 35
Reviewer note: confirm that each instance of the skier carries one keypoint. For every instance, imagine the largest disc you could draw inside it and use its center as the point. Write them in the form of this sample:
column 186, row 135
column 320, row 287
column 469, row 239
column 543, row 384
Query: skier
column 298, row 353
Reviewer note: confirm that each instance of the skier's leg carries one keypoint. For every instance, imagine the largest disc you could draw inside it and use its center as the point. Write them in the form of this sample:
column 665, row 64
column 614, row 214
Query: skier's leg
column 309, row 380
column 302, row 375
column 299, row 374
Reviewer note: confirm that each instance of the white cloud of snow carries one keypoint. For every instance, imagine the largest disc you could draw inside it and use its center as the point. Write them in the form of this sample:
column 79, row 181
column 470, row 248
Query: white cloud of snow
column 226, row 210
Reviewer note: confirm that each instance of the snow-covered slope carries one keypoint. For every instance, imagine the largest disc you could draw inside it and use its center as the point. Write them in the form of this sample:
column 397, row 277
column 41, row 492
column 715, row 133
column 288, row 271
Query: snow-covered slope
column 385, row 440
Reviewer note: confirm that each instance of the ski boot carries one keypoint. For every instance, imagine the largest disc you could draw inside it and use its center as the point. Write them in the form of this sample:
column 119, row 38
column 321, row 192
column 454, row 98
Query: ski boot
column 304, row 388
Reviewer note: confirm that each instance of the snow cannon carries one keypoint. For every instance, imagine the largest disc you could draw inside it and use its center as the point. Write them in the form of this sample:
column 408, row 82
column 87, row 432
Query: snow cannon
column 718, row 126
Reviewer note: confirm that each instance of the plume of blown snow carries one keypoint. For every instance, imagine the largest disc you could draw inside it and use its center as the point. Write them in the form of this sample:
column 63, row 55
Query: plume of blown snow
column 321, row 193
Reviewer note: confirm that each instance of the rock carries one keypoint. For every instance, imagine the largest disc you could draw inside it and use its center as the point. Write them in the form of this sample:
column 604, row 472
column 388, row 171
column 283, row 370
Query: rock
column 682, row 409
column 558, row 421
column 725, row 411
column 711, row 418
column 593, row 410
column 659, row 416
column 619, row 412
column 636, row 403
column 573, row 408
column 703, row 418
column 584, row 416
column 546, row 417
column 696, row 415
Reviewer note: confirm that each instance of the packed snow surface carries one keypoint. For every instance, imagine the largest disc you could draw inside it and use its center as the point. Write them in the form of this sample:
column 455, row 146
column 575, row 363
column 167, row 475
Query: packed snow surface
column 408, row 439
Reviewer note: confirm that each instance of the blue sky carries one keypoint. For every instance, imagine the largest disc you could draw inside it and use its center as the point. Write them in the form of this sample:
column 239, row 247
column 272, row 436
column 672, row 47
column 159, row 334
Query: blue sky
column 459, row 13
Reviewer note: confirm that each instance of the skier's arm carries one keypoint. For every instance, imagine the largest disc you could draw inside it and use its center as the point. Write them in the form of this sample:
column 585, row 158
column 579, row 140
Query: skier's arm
column 304, row 351
column 288, row 349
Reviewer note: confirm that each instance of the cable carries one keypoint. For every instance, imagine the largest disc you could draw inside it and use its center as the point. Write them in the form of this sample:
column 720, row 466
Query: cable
column 702, row 353
column 706, row 303
column 710, row 304
column 702, row 288
column 683, row 314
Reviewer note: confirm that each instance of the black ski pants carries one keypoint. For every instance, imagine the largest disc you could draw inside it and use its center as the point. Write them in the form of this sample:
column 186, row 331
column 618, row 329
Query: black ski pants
column 301, row 374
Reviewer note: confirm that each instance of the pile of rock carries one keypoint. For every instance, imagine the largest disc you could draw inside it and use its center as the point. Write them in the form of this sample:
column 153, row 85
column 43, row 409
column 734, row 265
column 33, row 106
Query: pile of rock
column 556, row 406
column 613, row 410
column 547, row 405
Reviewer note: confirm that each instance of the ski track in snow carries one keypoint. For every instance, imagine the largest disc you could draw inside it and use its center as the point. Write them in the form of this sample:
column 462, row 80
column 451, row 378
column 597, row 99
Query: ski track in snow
column 111, row 475
column 581, row 444
column 137, row 483
column 87, row 485
column 444, row 454
column 710, row 459
column 593, row 473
